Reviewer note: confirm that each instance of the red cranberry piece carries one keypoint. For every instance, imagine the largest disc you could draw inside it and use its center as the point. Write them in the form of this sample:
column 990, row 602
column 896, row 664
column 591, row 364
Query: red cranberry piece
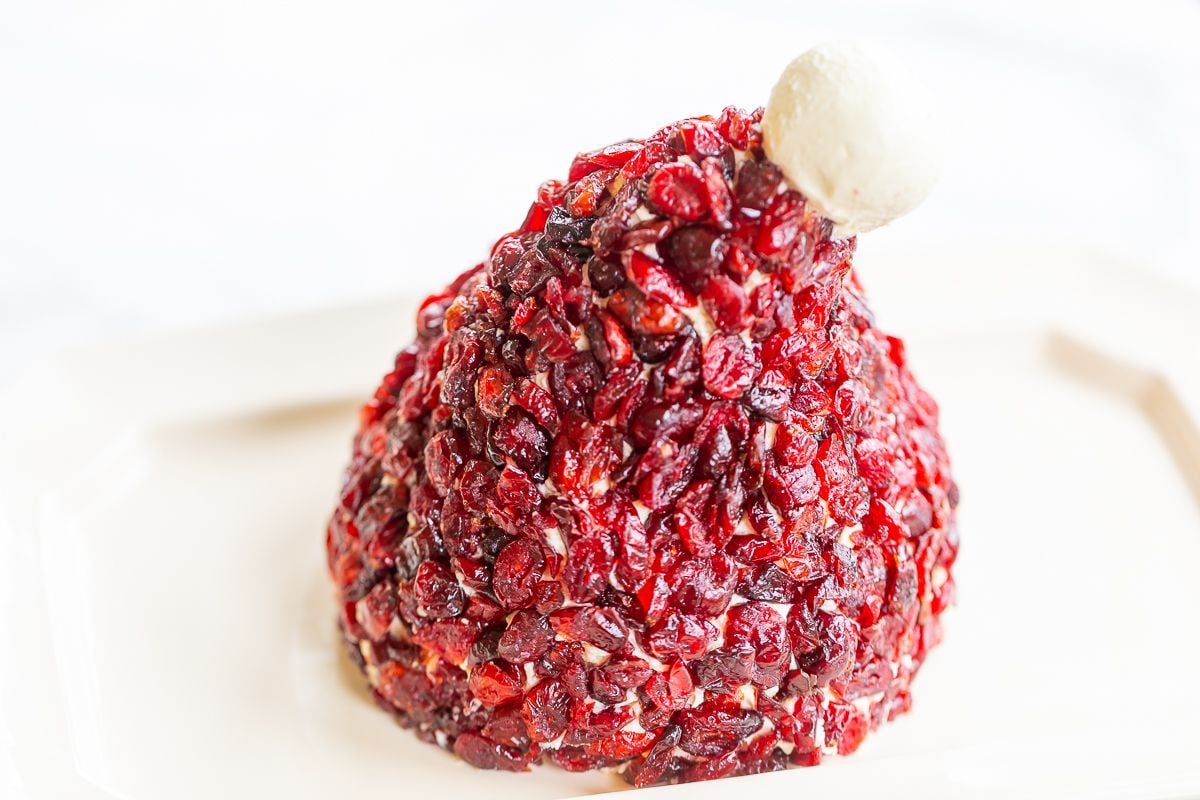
column 720, row 199
column 726, row 669
column 721, row 435
column 573, row 382
column 624, row 744
column 492, row 390
column 718, row 767
column 756, row 184
column 712, row 729
column 518, row 437
column 730, row 366
column 508, row 729
column 789, row 488
column 537, row 402
column 781, row 226
column 605, row 276
column 664, row 420
column 845, row 726
column 696, row 252
column 601, row 627
column 561, row 228
column 437, row 591
column 551, row 337
column 673, row 689
column 681, row 636
column 496, row 683
column 668, row 468
column 515, row 497
column 547, row 710
column 654, row 280
column 584, row 455
column 696, row 520
column 576, row 759
column 614, row 155
column 379, row 610
column 767, row 583
column 620, row 394
column 740, row 128
column 486, row 754
column 527, row 638
column 763, row 629
column 850, row 403
column 627, row 673
column 700, row 140
column 837, row 641
column 615, row 512
column 678, row 190
column 660, row 761
column 846, row 492
column 703, row 585
column 449, row 638
column 645, row 315
column 589, row 560
column 725, row 301
column 517, row 572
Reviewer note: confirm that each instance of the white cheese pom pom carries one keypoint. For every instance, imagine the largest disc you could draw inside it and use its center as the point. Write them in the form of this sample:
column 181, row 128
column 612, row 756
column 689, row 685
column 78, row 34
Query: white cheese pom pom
column 854, row 135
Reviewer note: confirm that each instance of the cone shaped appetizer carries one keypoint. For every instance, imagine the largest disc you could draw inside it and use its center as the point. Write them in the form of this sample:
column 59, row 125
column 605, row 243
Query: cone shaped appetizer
column 650, row 491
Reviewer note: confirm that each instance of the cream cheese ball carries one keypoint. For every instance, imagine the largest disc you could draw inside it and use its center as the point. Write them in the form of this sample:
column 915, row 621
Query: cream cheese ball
column 855, row 134
column 650, row 491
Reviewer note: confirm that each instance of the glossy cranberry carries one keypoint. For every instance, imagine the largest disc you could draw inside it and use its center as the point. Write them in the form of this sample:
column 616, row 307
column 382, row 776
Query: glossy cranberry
column 725, row 301
column 679, row 190
column 517, row 572
column 712, row 729
column 518, row 437
column 495, row 683
column 757, row 183
column 547, row 710
column 703, row 585
column 437, row 591
column 761, row 627
column 730, row 366
column 696, row 252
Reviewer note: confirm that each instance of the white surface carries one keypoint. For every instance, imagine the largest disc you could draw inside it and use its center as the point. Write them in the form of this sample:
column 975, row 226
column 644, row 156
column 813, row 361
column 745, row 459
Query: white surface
column 167, row 625
column 165, row 164
column 855, row 132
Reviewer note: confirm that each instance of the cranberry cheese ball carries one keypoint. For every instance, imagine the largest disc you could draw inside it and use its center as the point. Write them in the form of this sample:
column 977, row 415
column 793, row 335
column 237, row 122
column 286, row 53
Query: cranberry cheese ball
column 650, row 491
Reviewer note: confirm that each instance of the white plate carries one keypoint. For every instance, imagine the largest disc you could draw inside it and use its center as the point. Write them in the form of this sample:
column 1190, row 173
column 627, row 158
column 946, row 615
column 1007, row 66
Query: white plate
column 168, row 625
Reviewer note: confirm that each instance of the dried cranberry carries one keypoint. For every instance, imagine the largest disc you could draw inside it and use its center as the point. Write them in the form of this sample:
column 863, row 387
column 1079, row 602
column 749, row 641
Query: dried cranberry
column 712, row 729
column 495, row 683
column 678, row 190
column 696, row 252
column 730, row 366
column 517, row 572
column 437, row 591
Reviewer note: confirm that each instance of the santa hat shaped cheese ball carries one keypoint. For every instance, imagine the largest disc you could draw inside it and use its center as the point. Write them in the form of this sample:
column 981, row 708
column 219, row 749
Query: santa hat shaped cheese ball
column 650, row 491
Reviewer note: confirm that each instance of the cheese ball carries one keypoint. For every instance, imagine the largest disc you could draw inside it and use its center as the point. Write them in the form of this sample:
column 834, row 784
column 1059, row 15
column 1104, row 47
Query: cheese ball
column 649, row 491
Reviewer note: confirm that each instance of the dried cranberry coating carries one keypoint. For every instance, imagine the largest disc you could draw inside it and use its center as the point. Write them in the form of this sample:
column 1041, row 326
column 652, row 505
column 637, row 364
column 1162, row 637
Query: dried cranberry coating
column 650, row 490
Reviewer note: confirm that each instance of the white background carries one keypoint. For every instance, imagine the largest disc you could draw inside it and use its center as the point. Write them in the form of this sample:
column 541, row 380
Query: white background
column 167, row 164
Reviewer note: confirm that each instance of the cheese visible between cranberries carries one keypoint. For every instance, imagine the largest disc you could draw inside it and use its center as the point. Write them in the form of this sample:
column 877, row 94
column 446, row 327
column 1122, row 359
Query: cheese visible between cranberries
column 650, row 491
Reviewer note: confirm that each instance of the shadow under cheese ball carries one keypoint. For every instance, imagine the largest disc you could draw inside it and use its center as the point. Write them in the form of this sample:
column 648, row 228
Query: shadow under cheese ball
column 650, row 490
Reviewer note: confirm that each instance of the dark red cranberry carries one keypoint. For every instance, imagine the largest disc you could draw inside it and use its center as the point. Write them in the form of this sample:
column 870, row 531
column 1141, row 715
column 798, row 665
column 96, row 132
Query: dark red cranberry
column 713, row 729
column 517, row 572
column 437, row 591
column 696, row 252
